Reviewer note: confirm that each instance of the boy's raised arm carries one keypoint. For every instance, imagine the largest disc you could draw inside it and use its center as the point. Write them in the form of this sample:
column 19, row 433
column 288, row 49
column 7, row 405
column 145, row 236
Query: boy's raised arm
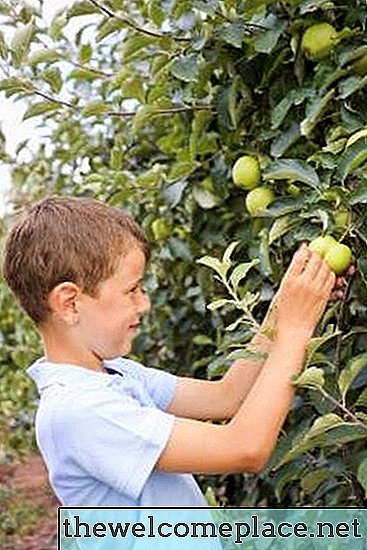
column 220, row 399
column 247, row 441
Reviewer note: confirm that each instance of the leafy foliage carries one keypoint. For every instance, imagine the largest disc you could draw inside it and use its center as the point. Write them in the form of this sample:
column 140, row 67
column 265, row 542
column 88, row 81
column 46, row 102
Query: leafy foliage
column 147, row 106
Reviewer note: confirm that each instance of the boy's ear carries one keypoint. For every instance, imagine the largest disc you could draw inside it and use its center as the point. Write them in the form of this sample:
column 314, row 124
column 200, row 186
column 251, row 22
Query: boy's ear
column 63, row 301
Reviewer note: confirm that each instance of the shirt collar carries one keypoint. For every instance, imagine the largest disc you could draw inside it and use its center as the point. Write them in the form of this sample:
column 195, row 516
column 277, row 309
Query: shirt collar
column 45, row 373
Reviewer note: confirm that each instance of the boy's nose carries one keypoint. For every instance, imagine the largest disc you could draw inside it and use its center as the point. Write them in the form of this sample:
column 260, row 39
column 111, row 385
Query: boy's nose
column 144, row 304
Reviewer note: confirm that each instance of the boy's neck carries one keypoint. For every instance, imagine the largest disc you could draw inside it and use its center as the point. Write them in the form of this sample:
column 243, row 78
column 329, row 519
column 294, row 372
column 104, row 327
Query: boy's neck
column 58, row 351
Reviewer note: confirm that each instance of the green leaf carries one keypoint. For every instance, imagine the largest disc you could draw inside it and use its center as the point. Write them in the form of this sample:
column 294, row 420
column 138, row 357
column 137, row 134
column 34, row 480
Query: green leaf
column 280, row 111
column 134, row 43
column 53, row 77
column 264, row 253
column 314, row 112
column 234, row 33
column 84, row 7
column 217, row 304
column 174, row 193
column 315, row 437
column 202, row 340
column 3, row 46
column 229, row 251
column 292, row 170
column 21, row 43
column 150, row 178
column 311, row 481
column 85, row 53
column 286, row 139
column 348, row 86
column 282, row 226
column 205, row 198
column 352, row 158
column 156, row 13
column 362, row 474
column 348, row 375
column 109, row 26
column 186, row 68
column 85, row 74
column 312, row 377
column 240, row 272
column 40, row 108
column 316, row 342
column 181, row 170
column 265, row 41
column 133, row 88
column 362, row 399
column 45, row 56
column 13, row 85
column 219, row 267
column 225, row 103
column 359, row 196
column 95, row 108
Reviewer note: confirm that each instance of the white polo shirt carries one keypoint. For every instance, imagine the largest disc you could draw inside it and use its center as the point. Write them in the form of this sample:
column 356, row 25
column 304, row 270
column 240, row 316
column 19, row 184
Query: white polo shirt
column 101, row 434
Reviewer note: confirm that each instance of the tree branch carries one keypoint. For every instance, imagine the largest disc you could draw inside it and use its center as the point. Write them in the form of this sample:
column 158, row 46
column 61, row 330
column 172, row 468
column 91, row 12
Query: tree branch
column 122, row 114
column 135, row 26
column 168, row 111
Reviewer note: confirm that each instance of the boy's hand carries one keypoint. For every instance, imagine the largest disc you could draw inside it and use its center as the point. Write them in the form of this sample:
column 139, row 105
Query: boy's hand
column 341, row 284
column 303, row 294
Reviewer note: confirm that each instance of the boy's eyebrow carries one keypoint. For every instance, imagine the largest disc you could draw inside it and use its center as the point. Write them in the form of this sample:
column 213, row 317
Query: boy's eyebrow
column 137, row 281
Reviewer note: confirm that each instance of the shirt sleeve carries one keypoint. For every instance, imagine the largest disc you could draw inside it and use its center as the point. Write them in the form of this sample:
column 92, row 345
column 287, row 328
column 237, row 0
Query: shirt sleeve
column 160, row 385
column 118, row 442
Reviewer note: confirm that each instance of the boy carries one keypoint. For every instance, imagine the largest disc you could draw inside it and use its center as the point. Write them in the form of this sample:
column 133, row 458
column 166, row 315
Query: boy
column 111, row 431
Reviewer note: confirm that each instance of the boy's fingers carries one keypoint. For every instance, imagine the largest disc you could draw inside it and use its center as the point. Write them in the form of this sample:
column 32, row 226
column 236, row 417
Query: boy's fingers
column 313, row 266
column 299, row 261
column 324, row 274
column 339, row 295
column 340, row 282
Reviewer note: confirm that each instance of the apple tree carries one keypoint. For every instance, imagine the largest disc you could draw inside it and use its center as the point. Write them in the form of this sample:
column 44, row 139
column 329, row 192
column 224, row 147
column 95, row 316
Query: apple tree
column 149, row 105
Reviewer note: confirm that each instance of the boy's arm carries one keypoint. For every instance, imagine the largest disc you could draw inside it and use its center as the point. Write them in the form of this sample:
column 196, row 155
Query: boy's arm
column 247, row 441
column 220, row 400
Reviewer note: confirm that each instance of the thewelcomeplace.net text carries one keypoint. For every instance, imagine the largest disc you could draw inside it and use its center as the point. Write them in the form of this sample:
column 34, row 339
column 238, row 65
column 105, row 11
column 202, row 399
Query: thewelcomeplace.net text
column 74, row 527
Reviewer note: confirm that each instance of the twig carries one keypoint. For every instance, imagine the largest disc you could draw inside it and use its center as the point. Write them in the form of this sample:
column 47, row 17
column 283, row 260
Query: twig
column 91, row 69
column 343, row 408
column 134, row 26
column 52, row 99
column 340, row 323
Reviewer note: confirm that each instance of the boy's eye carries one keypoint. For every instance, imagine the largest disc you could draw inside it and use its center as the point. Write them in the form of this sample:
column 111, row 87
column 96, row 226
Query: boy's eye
column 137, row 287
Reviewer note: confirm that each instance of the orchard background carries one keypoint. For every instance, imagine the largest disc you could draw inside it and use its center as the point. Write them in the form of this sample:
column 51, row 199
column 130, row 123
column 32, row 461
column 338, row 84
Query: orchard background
column 147, row 107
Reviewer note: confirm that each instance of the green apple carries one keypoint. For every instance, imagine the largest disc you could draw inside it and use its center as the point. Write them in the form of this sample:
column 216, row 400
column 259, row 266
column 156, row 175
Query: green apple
column 318, row 41
column 246, row 172
column 322, row 244
column 258, row 199
column 338, row 258
column 342, row 218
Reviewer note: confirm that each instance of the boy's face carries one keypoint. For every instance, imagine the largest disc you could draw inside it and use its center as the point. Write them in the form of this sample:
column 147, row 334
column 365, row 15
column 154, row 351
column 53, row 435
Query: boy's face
column 109, row 322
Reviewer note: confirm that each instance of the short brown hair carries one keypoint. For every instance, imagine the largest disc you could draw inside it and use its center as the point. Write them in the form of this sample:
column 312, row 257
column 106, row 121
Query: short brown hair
column 60, row 239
